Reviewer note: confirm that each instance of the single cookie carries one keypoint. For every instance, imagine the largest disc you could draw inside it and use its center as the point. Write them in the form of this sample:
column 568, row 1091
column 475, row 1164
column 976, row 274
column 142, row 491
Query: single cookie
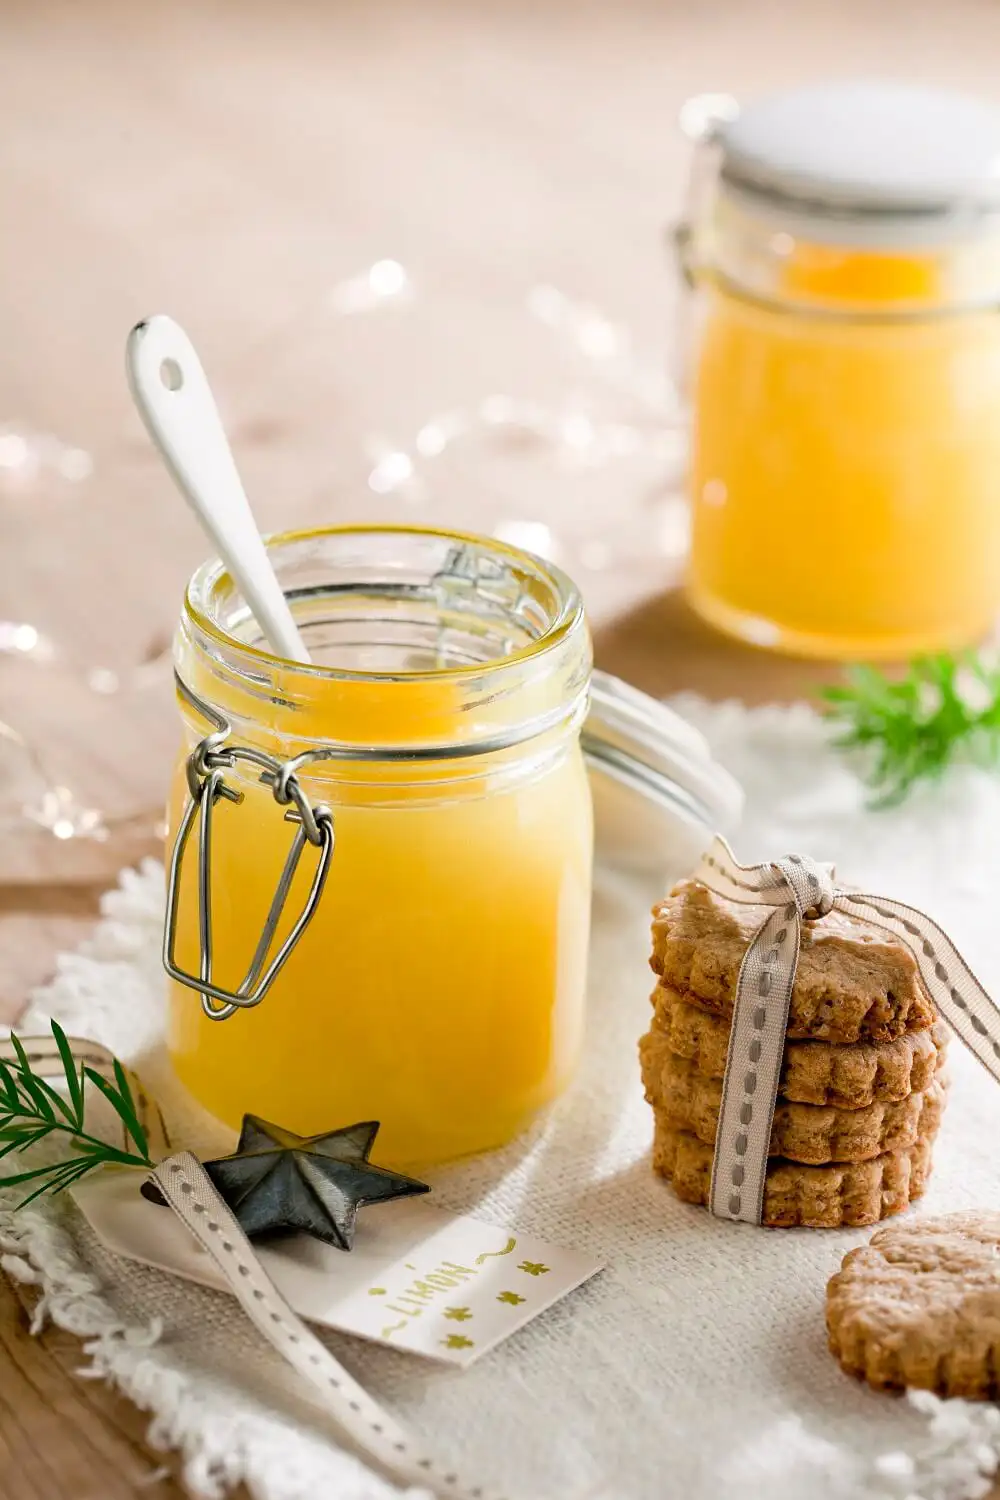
column 849, row 1077
column 853, row 981
column 810, row 1133
column 853, row 1193
column 919, row 1305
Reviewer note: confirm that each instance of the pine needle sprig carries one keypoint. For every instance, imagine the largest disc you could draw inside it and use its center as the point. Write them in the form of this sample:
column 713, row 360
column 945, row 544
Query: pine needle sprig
column 945, row 709
column 31, row 1110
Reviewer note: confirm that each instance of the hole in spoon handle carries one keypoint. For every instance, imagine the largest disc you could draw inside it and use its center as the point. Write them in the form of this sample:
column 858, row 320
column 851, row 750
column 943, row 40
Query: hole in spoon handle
column 171, row 374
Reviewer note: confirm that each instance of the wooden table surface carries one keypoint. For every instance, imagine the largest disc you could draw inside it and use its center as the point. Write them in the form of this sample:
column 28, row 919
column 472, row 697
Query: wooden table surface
column 241, row 164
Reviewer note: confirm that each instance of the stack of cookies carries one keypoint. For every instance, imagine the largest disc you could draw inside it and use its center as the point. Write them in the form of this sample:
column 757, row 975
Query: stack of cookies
column 861, row 1090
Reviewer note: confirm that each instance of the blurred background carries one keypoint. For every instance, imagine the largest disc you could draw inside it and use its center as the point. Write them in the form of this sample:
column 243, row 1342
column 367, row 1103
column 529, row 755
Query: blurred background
column 423, row 249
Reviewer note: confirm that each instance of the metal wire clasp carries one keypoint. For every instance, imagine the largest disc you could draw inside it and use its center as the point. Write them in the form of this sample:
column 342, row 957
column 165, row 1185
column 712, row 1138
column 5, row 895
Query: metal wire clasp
column 207, row 786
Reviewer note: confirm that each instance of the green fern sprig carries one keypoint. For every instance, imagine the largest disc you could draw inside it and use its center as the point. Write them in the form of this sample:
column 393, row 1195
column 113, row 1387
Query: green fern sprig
column 32, row 1110
column 945, row 709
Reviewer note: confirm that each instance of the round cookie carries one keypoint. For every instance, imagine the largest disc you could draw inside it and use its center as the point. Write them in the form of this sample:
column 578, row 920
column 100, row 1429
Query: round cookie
column 919, row 1305
column 850, row 1077
column 845, row 1193
column 806, row 1133
column 853, row 982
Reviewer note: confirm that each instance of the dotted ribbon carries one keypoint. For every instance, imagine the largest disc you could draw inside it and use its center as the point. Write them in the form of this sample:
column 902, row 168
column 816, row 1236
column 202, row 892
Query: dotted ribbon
column 192, row 1195
column 797, row 887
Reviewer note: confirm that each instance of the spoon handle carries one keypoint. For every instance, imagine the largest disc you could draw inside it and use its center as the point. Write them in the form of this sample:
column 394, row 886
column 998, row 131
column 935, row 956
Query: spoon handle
column 175, row 401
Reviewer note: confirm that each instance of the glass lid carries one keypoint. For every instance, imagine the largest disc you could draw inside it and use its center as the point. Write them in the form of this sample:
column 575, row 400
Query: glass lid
column 654, row 781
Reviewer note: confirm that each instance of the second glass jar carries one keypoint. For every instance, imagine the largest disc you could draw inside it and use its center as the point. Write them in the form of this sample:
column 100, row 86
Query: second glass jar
column 846, row 449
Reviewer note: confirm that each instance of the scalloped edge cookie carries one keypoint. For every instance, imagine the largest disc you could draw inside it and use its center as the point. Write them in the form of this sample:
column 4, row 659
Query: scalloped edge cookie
column 847, row 1077
column 809, row 1133
column 919, row 1305
column 853, row 1194
column 852, row 982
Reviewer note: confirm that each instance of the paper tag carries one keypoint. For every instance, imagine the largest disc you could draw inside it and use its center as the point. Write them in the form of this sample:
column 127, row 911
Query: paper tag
column 443, row 1285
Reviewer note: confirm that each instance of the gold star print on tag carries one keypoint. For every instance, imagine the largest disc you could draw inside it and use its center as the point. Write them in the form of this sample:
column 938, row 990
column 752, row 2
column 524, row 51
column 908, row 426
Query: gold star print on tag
column 456, row 1341
column 457, row 1314
column 511, row 1298
column 533, row 1268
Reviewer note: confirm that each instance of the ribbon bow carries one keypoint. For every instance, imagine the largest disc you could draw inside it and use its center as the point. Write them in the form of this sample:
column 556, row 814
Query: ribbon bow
column 797, row 887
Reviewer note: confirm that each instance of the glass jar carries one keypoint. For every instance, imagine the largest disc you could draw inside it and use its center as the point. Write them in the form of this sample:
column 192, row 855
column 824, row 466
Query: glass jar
column 429, row 760
column 845, row 247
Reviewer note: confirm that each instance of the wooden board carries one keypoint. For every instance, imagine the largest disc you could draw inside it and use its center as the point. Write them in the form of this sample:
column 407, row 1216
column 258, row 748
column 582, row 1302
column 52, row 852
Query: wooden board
column 63, row 1438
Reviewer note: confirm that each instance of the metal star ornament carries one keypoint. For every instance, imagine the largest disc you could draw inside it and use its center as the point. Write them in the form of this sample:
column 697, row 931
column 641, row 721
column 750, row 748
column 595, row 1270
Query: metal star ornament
column 277, row 1182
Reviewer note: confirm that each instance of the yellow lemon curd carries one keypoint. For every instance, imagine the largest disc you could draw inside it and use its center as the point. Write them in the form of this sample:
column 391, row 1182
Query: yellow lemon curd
column 846, row 463
column 440, row 986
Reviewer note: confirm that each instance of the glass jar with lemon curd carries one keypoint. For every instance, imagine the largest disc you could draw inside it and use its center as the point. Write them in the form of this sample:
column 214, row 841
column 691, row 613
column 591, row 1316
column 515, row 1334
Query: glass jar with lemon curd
column 844, row 242
column 428, row 763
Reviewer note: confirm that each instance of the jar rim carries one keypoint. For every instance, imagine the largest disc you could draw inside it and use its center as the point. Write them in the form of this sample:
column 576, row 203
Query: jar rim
column 784, row 266
column 568, row 616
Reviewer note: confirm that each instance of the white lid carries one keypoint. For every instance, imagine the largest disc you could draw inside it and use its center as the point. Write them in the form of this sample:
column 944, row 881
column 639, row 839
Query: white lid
column 870, row 151
column 656, row 787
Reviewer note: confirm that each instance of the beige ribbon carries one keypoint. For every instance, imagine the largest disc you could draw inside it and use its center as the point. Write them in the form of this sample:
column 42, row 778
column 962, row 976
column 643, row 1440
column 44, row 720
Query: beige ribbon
column 796, row 887
column 192, row 1195
column 46, row 1060
column 190, row 1192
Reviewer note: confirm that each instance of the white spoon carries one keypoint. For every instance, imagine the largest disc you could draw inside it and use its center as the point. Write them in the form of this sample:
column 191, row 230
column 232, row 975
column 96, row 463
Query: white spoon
column 175, row 401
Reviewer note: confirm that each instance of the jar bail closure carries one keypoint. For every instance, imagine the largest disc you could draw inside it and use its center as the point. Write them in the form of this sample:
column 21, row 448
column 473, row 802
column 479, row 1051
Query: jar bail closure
column 206, row 766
